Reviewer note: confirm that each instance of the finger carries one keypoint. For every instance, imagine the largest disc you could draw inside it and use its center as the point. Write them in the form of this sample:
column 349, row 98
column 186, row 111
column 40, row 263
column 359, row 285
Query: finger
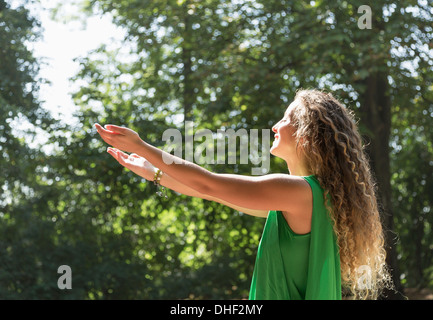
column 106, row 138
column 135, row 155
column 104, row 133
column 113, row 153
column 118, row 155
column 121, row 152
column 122, row 155
column 116, row 129
column 100, row 129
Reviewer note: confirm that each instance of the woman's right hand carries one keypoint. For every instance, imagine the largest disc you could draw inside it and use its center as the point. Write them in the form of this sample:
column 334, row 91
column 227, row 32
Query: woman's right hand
column 134, row 162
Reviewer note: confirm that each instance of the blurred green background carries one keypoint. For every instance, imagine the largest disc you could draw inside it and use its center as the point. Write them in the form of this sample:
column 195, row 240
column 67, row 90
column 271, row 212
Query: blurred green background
column 221, row 64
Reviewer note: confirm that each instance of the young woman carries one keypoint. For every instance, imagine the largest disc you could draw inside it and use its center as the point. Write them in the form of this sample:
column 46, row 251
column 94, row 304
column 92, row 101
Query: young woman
column 323, row 228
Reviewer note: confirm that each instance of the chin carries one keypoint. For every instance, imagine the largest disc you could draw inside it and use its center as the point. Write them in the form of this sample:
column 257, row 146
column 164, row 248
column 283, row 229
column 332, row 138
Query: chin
column 278, row 152
column 274, row 151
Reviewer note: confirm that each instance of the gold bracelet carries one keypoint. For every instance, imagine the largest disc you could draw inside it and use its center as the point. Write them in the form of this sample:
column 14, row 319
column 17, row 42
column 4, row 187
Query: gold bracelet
column 156, row 181
column 157, row 177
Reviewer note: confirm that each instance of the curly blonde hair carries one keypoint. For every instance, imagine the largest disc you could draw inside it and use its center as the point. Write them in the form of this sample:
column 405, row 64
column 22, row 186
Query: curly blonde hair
column 334, row 152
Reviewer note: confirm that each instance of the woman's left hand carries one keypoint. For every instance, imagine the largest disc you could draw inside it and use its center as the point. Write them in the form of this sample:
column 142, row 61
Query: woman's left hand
column 121, row 138
column 135, row 163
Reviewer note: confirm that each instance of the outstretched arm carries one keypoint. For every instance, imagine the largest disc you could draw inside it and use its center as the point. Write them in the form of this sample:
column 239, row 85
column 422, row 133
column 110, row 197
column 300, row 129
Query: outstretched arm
column 145, row 169
column 270, row 192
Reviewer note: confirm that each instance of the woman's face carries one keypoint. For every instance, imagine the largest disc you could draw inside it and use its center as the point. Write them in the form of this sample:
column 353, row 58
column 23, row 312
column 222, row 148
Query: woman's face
column 284, row 144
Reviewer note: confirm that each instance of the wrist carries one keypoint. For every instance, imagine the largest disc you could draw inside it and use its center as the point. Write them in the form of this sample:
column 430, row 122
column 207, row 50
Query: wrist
column 141, row 146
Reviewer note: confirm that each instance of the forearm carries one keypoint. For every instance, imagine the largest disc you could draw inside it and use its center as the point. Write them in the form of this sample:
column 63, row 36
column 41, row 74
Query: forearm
column 187, row 173
column 173, row 184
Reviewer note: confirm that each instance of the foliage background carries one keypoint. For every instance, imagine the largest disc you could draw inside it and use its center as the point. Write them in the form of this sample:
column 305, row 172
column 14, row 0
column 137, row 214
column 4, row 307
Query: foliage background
column 222, row 64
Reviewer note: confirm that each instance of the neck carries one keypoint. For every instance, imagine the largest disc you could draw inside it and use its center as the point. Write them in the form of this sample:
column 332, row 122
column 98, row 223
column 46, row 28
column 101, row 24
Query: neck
column 297, row 167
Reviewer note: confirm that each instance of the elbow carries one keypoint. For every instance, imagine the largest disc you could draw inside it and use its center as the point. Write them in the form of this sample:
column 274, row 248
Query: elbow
column 205, row 189
column 207, row 186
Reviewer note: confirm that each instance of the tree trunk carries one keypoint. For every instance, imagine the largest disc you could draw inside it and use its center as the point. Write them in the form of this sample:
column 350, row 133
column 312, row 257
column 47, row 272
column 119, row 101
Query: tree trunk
column 376, row 117
column 420, row 265
column 188, row 89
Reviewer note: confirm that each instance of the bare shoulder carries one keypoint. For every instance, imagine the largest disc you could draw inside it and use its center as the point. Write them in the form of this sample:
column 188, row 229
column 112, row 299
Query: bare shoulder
column 299, row 214
column 290, row 193
column 299, row 190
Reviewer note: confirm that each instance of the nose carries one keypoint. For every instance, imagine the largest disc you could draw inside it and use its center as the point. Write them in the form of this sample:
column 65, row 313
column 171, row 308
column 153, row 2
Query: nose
column 274, row 128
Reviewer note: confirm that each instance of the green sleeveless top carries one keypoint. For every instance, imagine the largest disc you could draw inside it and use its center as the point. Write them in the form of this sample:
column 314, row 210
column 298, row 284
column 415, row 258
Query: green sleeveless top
column 290, row 266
